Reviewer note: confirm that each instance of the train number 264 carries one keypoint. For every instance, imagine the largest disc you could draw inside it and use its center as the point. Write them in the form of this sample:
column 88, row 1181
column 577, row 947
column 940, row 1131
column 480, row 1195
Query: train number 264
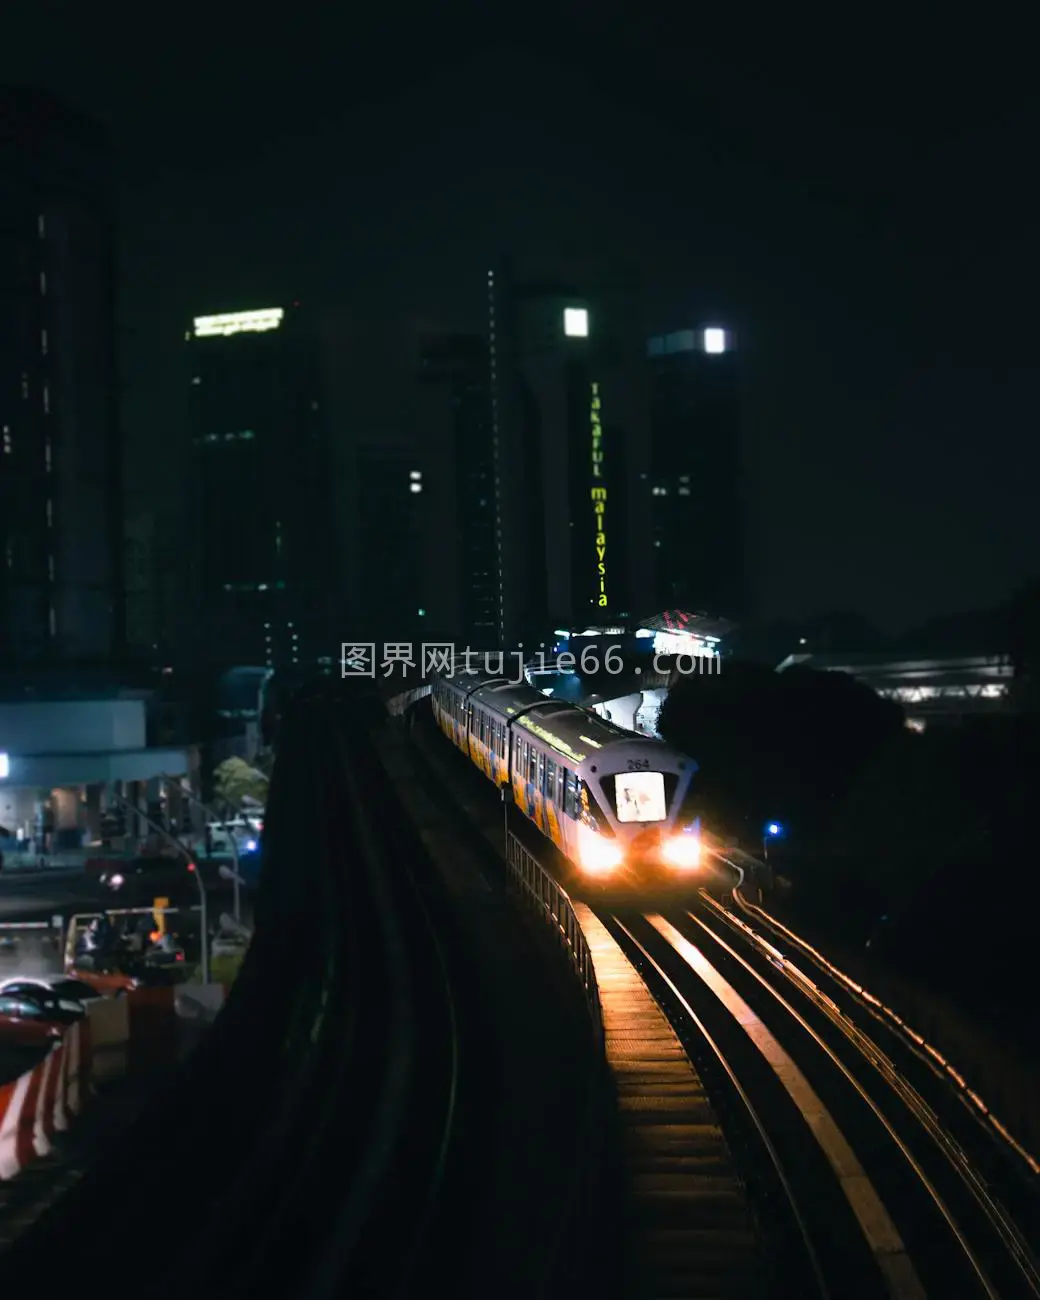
column 639, row 765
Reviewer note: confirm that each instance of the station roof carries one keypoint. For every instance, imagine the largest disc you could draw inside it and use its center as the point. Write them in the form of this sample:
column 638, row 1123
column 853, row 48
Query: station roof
column 693, row 624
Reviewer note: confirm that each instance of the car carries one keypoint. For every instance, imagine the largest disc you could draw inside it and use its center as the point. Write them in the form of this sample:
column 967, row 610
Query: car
column 137, row 882
column 74, row 990
column 118, row 972
column 107, row 982
column 23, row 1023
column 55, row 1007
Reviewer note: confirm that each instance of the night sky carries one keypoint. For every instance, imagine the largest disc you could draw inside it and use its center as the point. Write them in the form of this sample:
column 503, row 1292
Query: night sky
column 857, row 200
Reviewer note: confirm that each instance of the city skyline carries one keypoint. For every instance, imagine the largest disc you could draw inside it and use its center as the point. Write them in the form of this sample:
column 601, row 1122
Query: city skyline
column 871, row 370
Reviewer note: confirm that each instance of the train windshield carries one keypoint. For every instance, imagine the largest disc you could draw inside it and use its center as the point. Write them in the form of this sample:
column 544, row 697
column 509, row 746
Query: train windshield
column 642, row 796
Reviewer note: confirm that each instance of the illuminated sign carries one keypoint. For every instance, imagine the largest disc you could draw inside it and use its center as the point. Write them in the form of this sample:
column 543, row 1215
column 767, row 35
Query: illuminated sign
column 238, row 322
column 599, row 500
column 576, row 322
column 5, row 767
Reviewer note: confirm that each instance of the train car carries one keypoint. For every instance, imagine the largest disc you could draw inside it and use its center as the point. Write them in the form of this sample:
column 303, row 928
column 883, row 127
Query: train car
column 613, row 803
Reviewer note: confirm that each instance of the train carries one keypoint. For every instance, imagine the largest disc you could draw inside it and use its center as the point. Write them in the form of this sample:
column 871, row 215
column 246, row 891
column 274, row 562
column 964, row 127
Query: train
column 616, row 805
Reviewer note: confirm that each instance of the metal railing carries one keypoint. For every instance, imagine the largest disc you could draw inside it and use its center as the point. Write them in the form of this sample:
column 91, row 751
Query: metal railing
column 551, row 901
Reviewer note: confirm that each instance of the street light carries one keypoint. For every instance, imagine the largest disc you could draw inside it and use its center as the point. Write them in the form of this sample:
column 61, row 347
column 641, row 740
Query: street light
column 193, row 868
column 237, row 877
column 189, row 861
column 771, row 831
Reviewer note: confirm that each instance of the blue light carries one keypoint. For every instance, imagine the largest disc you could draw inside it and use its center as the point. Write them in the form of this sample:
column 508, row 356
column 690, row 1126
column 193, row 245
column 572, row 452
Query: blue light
column 251, row 846
column 773, row 828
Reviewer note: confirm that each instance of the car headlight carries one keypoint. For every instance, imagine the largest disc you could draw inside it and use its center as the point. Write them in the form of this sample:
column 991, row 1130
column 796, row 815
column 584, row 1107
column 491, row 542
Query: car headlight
column 683, row 851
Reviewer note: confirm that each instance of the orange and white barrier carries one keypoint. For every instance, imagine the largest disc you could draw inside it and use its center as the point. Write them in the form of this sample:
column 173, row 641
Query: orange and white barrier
column 35, row 1108
column 146, row 1029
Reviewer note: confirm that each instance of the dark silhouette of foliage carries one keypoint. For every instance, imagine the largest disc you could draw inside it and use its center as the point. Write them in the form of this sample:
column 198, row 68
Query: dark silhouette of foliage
column 1020, row 620
column 776, row 745
column 949, row 825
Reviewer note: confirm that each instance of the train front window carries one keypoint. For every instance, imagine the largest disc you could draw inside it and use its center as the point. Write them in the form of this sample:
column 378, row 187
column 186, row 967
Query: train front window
column 641, row 797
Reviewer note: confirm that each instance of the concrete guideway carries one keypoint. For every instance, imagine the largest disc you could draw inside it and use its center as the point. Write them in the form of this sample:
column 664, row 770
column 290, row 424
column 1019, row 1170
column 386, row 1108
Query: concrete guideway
column 690, row 1223
column 529, row 1067
column 692, row 1227
column 888, row 1205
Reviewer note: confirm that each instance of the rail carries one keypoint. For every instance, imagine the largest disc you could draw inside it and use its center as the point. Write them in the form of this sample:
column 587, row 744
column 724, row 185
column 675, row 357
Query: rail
column 549, row 900
column 912, row 1038
column 1013, row 1240
column 782, row 1219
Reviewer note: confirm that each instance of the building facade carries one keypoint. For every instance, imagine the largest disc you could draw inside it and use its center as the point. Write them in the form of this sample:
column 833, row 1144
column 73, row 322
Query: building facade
column 61, row 544
column 391, row 544
column 267, row 575
column 455, row 376
column 564, row 416
column 695, row 479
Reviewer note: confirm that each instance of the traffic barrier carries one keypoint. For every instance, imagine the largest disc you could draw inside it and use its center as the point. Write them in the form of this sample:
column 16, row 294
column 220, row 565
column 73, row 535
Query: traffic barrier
column 145, row 1030
column 150, row 1028
column 38, row 1106
column 109, row 1023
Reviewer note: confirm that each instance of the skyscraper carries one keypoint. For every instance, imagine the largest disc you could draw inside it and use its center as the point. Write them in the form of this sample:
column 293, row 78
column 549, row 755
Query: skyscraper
column 695, row 481
column 61, row 544
column 454, row 372
column 267, row 571
column 390, row 548
column 563, row 418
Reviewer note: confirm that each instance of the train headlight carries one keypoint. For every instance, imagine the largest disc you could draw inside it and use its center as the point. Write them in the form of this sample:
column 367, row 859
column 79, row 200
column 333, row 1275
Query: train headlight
column 116, row 882
column 598, row 855
column 683, row 851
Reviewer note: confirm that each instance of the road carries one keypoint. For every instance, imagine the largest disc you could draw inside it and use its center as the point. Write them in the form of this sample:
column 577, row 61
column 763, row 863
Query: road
column 36, row 897
column 39, row 895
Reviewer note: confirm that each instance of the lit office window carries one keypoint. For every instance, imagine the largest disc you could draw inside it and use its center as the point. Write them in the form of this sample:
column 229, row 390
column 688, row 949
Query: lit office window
column 576, row 322
column 714, row 341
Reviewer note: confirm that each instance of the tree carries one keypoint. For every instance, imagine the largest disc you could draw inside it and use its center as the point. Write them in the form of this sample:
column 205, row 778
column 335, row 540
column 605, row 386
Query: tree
column 235, row 780
column 1020, row 620
column 776, row 745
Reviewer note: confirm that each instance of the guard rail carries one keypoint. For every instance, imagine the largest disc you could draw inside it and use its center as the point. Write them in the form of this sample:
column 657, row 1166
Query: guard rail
column 548, row 899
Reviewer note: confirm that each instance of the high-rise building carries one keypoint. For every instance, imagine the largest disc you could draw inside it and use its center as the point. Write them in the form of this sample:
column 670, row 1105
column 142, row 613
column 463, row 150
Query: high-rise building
column 61, row 543
column 390, row 549
column 455, row 375
column 267, row 572
column 695, row 477
column 563, row 417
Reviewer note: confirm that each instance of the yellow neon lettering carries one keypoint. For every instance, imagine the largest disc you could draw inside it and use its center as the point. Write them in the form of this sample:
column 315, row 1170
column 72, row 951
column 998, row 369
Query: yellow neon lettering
column 599, row 496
